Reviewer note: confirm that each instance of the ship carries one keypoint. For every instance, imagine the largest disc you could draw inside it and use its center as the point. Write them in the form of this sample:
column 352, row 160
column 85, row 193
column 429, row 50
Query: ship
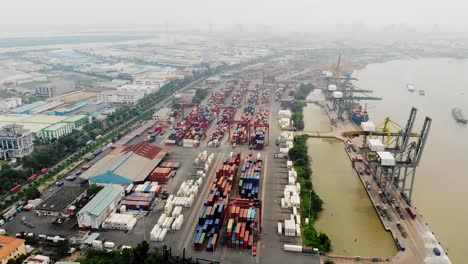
column 410, row 87
column 457, row 113
column 359, row 115
column 422, row 92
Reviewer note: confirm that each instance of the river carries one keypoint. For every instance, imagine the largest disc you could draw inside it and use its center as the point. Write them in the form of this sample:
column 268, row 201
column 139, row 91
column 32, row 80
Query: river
column 348, row 218
column 441, row 180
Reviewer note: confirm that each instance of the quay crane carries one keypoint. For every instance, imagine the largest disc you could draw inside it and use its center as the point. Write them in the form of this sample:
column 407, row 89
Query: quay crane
column 406, row 147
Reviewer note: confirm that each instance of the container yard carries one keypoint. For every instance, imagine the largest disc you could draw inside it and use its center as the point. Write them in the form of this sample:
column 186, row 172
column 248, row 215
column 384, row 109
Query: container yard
column 189, row 131
column 212, row 215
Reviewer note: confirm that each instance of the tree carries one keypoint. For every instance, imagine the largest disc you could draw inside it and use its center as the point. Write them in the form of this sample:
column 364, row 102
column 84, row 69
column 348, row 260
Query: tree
column 329, row 261
column 141, row 252
column 62, row 249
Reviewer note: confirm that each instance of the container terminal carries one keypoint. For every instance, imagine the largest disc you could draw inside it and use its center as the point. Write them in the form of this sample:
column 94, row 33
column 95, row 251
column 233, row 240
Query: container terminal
column 207, row 182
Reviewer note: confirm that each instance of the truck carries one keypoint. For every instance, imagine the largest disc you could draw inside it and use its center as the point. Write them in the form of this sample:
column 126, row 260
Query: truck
column 85, row 167
column 412, row 213
column 60, row 184
column 78, row 173
column 44, row 171
column 90, row 157
column 16, row 188
column 97, row 152
column 98, row 137
column 89, row 142
column 32, row 178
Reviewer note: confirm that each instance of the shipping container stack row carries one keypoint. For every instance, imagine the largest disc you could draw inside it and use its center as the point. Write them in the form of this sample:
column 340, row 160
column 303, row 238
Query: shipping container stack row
column 265, row 97
column 192, row 127
column 212, row 216
column 219, row 97
column 249, row 181
column 252, row 97
column 243, row 218
column 172, row 218
column 237, row 98
column 221, row 128
column 240, row 227
column 257, row 139
column 291, row 200
column 161, row 175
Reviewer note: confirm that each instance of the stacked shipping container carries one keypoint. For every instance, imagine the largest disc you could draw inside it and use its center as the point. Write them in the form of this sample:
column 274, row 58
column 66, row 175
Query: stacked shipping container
column 212, row 215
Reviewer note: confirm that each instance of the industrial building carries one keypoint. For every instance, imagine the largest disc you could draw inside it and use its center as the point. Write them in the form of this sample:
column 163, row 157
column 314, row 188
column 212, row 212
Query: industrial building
column 26, row 109
column 60, row 201
column 11, row 248
column 126, row 165
column 100, row 207
column 54, row 88
column 45, row 127
column 147, row 89
column 121, row 97
column 15, row 142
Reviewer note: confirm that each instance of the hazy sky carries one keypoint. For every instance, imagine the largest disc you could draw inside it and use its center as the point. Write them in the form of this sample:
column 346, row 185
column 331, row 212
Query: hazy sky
column 62, row 15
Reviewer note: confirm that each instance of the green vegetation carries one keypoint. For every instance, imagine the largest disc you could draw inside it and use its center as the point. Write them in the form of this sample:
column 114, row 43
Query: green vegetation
column 18, row 260
column 329, row 261
column 297, row 107
column 200, row 94
column 303, row 91
column 139, row 255
column 297, row 115
column 311, row 204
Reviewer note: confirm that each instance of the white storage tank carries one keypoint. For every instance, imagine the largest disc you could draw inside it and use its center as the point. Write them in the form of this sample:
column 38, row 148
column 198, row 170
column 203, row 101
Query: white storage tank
column 332, row 87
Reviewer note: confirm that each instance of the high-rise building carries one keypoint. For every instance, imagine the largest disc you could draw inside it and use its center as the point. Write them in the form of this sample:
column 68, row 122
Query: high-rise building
column 15, row 142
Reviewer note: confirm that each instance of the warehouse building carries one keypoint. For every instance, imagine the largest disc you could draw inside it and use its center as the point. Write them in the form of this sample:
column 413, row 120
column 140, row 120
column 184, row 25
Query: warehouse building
column 61, row 201
column 126, row 165
column 46, row 126
column 11, row 248
column 121, row 97
column 15, row 142
column 100, row 207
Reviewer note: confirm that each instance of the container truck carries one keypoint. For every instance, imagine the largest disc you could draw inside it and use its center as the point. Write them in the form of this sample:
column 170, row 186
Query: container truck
column 97, row 152
column 16, row 188
column 44, row 171
column 32, row 178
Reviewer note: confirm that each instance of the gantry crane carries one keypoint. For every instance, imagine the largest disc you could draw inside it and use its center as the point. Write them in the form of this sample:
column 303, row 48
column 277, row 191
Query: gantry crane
column 407, row 148
column 184, row 105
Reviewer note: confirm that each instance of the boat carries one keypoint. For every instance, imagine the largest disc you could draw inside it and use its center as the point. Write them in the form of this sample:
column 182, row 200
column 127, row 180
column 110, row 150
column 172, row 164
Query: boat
column 359, row 115
column 410, row 87
column 457, row 113
column 422, row 92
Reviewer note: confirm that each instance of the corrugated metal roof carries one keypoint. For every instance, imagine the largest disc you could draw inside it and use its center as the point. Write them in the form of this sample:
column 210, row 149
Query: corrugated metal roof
column 134, row 162
column 109, row 178
column 102, row 200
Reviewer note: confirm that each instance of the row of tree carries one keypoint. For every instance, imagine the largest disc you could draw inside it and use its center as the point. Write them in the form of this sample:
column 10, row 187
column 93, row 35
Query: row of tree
column 311, row 204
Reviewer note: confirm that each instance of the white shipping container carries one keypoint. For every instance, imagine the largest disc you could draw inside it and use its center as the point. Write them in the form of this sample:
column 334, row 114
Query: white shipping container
column 161, row 219
column 298, row 230
column 368, row 126
column 375, row 145
column 109, row 244
column 280, row 229
column 96, row 244
column 294, row 210
column 162, row 235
